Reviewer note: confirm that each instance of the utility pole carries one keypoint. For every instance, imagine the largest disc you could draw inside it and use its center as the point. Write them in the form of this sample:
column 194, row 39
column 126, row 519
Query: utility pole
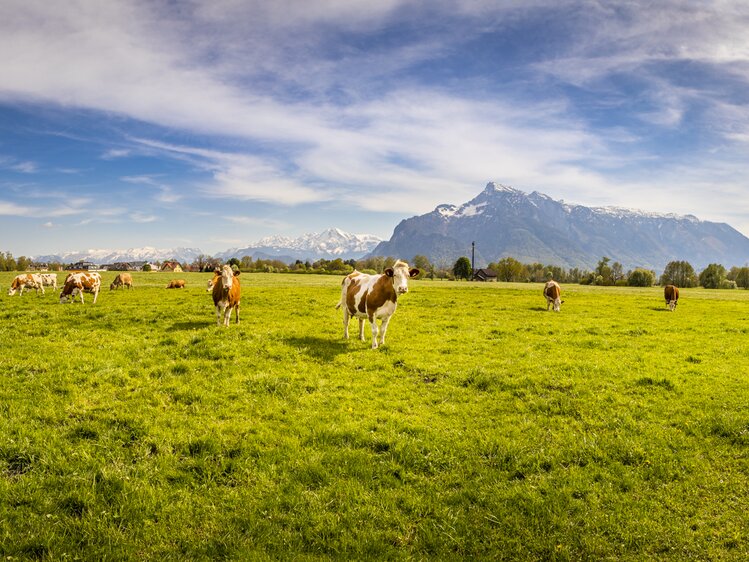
column 473, row 258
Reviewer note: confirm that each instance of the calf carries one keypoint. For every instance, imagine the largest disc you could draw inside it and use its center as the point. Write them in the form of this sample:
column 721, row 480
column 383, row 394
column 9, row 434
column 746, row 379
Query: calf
column 226, row 294
column 671, row 294
column 49, row 280
column 374, row 296
column 26, row 281
column 78, row 283
column 122, row 280
column 176, row 284
column 553, row 292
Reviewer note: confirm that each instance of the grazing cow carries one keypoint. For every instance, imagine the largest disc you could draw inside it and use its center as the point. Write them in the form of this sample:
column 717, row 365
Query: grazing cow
column 374, row 296
column 671, row 293
column 49, row 280
column 26, row 281
column 176, row 284
column 122, row 280
column 553, row 292
column 80, row 282
column 226, row 294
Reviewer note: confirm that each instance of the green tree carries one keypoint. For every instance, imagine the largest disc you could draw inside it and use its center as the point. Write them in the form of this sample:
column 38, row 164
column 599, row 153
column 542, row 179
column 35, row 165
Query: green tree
column 462, row 268
column 742, row 278
column 641, row 278
column 679, row 273
column 424, row 266
column 234, row 261
column 712, row 276
column 603, row 272
column 510, row 270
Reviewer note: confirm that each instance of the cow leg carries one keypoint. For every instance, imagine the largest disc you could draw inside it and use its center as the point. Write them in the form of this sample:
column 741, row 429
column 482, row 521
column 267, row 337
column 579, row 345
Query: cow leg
column 383, row 329
column 361, row 329
column 218, row 315
column 236, row 313
column 346, row 319
column 373, row 322
column 96, row 295
column 227, row 315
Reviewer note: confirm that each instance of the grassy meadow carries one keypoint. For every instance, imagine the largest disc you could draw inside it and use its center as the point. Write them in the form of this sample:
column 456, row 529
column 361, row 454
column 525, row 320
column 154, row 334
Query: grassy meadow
column 485, row 428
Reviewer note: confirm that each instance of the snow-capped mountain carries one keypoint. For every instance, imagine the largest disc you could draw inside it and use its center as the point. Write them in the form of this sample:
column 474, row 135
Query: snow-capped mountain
column 102, row 256
column 329, row 244
column 504, row 221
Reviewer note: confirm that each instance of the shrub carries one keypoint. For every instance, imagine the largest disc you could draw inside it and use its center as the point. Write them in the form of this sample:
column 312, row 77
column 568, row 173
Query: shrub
column 727, row 284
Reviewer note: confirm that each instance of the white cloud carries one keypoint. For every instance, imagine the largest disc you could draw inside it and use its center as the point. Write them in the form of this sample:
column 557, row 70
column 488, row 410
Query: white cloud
column 114, row 153
column 12, row 209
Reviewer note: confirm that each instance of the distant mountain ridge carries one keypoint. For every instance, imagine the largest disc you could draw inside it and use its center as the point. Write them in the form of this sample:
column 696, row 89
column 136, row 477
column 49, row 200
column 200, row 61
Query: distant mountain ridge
column 329, row 244
column 506, row 222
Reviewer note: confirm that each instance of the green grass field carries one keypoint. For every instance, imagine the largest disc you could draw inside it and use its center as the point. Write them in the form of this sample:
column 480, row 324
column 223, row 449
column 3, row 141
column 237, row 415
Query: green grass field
column 486, row 427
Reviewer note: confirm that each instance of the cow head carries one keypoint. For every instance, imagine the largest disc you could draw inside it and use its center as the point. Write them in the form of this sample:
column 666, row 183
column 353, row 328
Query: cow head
column 227, row 278
column 69, row 292
column 400, row 274
column 672, row 305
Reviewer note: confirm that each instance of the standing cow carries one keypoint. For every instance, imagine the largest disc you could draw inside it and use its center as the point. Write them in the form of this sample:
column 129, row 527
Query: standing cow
column 671, row 294
column 226, row 294
column 553, row 294
column 49, row 280
column 374, row 296
column 26, row 281
column 80, row 282
column 122, row 280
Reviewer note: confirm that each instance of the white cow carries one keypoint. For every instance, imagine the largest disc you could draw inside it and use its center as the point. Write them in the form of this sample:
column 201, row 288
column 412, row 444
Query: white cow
column 374, row 296
column 49, row 280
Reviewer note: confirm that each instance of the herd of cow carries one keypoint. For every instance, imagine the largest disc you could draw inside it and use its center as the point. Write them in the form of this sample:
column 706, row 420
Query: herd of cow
column 363, row 296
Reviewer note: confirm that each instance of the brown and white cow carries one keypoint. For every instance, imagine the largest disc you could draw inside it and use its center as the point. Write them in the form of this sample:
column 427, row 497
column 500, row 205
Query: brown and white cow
column 374, row 296
column 49, row 280
column 176, row 284
column 26, row 281
column 122, row 280
column 671, row 294
column 80, row 282
column 212, row 281
column 226, row 294
column 553, row 293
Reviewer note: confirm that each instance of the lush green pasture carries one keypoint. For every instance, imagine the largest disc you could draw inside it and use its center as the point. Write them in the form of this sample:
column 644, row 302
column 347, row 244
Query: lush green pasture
column 486, row 427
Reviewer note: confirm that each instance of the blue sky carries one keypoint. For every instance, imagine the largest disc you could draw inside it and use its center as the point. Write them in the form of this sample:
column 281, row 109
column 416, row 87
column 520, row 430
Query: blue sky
column 212, row 124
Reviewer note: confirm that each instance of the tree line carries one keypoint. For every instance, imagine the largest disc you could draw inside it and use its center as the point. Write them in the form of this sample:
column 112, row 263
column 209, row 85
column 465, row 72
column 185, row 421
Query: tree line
column 509, row 269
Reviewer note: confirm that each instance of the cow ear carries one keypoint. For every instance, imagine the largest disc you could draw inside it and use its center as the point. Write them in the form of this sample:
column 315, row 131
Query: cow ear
column 414, row 272
column 236, row 273
column 389, row 272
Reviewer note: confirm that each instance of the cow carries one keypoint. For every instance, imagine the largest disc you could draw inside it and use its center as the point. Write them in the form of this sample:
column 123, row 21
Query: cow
column 374, row 296
column 49, row 280
column 226, row 294
column 80, row 282
column 176, row 284
column 553, row 292
column 671, row 294
column 122, row 280
column 26, row 281
column 212, row 281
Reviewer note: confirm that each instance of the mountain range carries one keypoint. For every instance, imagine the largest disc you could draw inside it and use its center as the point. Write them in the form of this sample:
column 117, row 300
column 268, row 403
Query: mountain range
column 506, row 222
column 329, row 244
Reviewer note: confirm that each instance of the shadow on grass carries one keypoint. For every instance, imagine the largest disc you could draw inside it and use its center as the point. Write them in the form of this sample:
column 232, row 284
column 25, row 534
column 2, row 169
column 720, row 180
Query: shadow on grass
column 660, row 309
column 319, row 348
column 192, row 325
column 539, row 308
